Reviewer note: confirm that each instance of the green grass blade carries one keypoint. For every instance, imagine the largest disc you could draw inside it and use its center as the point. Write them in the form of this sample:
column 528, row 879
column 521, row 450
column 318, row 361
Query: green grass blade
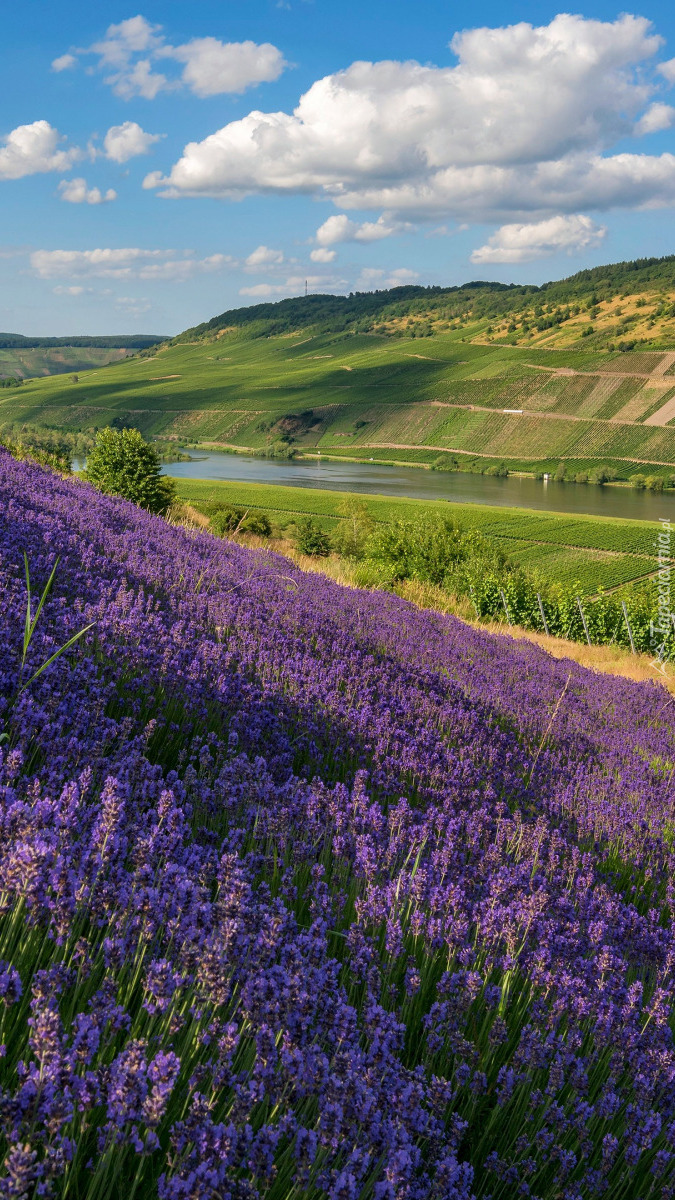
column 31, row 622
column 55, row 655
column 27, row 623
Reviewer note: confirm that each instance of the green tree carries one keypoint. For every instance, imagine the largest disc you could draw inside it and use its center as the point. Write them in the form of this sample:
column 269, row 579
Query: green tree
column 123, row 464
column 311, row 539
column 229, row 519
column 654, row 483
column 351, row 534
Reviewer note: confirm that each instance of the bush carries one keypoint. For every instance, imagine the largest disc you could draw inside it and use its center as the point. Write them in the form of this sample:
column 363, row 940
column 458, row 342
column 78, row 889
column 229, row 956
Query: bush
column 256, row 523
column 434, row 551
column 638, row 481
column 227, row 519
column 445, row 462
column 123, row 464
column 602, row 475
column 311, row 539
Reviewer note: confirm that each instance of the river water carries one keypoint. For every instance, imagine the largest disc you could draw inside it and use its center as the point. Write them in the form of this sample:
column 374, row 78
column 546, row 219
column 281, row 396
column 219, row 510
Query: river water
column 512, row 492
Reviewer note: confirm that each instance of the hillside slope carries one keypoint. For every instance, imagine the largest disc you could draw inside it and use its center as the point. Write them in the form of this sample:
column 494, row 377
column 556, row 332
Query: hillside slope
column 352, row 376
column 309, row 893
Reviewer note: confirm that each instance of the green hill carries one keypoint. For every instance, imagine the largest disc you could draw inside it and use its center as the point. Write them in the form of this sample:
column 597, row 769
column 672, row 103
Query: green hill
column 461, row 375
column 25, row 357
column 561, row 311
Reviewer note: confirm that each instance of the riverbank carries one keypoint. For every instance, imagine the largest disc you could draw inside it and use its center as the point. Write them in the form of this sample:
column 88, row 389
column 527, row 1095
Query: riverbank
column 377, row 478
column 370, row 396
column 460, row 461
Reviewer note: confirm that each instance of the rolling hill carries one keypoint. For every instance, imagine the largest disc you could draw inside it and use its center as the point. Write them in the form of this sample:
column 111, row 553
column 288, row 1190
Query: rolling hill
column 580, row 371
column 26, row 357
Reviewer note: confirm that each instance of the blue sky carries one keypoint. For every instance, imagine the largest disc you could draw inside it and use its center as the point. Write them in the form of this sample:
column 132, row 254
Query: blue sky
column 161, row 164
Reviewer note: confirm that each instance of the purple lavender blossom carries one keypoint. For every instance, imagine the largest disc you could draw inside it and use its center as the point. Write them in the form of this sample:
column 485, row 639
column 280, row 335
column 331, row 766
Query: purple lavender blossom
column 296, row 898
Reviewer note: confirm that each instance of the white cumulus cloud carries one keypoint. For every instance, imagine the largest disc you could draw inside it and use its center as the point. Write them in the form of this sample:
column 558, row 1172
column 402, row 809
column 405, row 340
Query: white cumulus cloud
column 74, row 290
column 523, row 243
column 33, row 149
column 264, row 257
column 133, row 52
column 520, row 126
column 340, row 228
column 294, row 285
column 323, row 255
column 75, row 191
column 213, row 67
column 657, row 118
column 262, row 291
column 128, row 140
column 377, row 278
column 127, row 263
column 64, row 63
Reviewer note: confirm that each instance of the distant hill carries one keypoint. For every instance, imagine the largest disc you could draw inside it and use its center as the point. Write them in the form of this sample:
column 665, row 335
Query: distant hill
column 559, row 313
column 24, row 357
column 126, row 341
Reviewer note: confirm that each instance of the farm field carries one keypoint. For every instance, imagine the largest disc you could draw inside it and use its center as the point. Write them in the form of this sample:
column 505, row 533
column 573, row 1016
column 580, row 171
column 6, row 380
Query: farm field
column 596, row 552
column 312, row 893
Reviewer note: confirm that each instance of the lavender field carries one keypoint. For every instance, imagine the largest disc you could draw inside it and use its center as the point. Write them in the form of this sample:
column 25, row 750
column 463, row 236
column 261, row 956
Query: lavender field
column 305, row 893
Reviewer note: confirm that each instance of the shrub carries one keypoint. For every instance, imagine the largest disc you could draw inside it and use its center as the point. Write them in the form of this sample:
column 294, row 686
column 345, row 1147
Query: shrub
column 226, row 520
column 434, row 551
column 257, row 523
column 654, row 483
column 311, row 539
column 123, row 464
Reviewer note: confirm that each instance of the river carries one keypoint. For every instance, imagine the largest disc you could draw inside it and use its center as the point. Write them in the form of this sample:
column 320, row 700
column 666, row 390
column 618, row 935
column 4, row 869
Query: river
column 512, row 492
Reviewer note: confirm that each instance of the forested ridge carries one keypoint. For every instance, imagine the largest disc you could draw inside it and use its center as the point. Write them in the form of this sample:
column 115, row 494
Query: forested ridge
column 386, row 310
